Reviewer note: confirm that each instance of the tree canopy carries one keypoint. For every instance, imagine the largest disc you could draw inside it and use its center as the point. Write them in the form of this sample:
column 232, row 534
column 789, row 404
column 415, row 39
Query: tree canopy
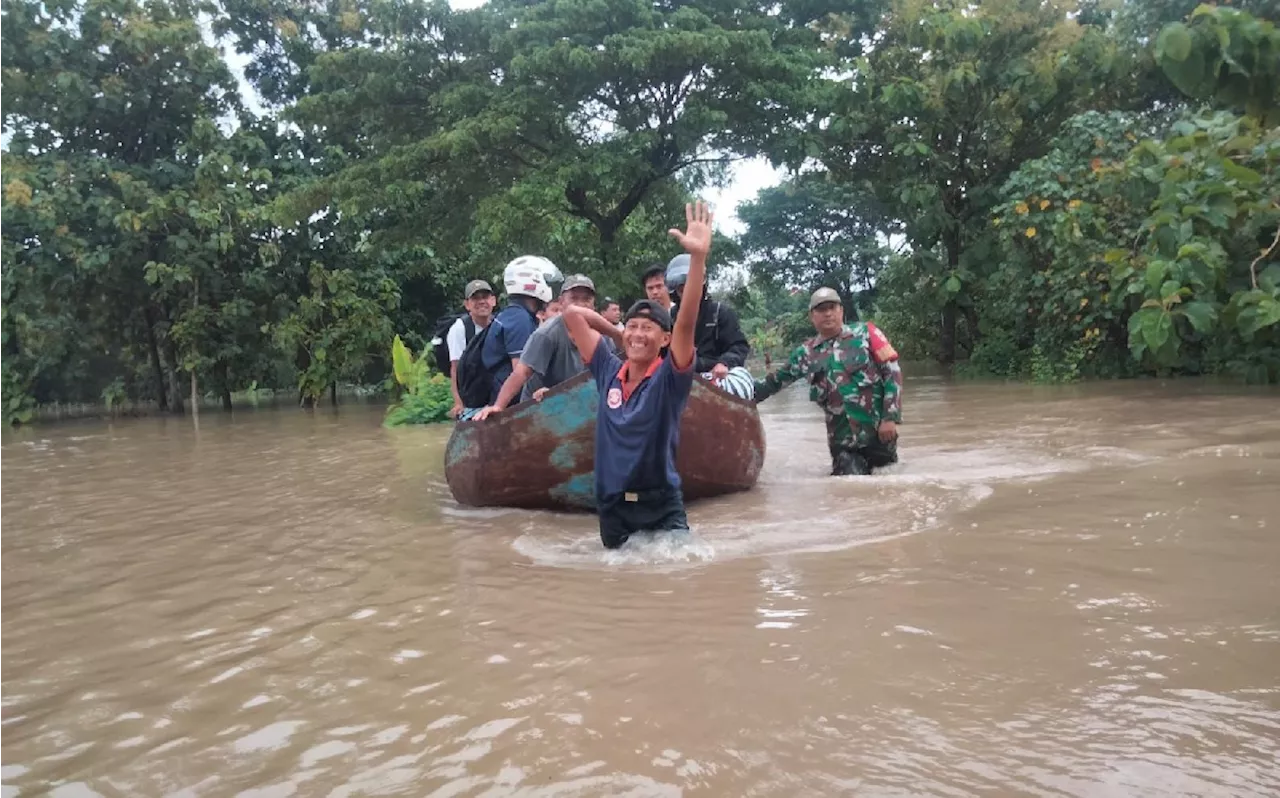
column 1070, row 189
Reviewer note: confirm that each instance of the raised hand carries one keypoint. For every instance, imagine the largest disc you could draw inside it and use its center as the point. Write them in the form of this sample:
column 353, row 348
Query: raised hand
column 696, row 239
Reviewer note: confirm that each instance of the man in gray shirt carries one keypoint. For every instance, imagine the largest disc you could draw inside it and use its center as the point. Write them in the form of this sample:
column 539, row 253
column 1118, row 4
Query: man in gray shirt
column 550, row 356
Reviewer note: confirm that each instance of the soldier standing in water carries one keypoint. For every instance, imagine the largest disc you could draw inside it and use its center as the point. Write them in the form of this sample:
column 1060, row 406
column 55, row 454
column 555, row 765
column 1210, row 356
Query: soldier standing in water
column 854, row 376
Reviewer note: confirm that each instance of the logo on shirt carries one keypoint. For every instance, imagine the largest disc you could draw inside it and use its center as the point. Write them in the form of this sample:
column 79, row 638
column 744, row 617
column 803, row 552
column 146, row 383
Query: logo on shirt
column 615, row 398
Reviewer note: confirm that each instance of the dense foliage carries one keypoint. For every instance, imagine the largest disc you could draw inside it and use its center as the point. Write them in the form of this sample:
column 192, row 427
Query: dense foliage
column 426, row 395
column 1069, row 189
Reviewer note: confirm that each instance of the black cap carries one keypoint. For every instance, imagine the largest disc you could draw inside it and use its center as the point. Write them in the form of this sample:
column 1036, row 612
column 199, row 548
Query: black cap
column 648, row 309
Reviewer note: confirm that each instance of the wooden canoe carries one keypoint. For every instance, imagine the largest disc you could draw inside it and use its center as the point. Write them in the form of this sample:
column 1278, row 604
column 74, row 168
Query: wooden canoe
column 541, row 455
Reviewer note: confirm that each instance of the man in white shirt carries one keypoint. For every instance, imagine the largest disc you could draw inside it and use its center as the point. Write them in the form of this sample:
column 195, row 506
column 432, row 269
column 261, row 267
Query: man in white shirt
column 479, row 302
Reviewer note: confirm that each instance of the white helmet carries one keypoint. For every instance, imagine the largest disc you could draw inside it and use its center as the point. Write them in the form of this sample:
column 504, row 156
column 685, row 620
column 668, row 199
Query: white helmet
column 528, row 275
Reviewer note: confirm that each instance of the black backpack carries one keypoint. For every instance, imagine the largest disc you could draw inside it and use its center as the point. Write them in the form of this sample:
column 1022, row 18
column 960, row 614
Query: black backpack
column 438, row 339
column 475, row 382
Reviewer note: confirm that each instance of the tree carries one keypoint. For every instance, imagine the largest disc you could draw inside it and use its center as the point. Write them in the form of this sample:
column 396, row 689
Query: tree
column 951, row 100
column 811, row 232
column 522, row 121
column 100, row 98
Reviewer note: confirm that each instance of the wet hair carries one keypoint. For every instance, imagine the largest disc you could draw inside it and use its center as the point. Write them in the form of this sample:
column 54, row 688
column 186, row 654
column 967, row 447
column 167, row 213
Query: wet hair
column 657, row 270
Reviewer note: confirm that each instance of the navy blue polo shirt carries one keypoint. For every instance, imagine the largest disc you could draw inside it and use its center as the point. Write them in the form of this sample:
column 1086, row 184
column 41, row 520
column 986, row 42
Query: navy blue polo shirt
column 637, row 435
column 508, row 333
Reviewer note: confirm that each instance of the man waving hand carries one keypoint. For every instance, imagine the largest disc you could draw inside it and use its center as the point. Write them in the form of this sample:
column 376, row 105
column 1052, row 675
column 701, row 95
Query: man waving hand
column 642, row 399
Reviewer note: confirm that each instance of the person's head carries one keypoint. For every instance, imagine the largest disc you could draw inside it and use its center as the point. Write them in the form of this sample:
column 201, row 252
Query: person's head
column 654, row 282
column 826, row 311
column 677, row 274
column 647, row 330
column 525, row 280
column 554, row 308
column 579, row 290
column 479, row 301
column 612, row 310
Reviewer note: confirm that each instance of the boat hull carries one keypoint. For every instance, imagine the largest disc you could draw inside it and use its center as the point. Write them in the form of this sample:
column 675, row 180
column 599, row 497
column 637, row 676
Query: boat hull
column 541, row 455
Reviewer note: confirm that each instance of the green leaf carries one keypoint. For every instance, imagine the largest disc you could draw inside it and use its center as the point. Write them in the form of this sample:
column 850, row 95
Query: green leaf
column 1269, row 279
column 952, row 285
column 1268, row 313
column 401, row 360
column 1156, row 273
column 1169, row 288
column 1174, row 42
column 1248, row 322
column 1157, row 326
column 1242, row 174
column 1200, row 314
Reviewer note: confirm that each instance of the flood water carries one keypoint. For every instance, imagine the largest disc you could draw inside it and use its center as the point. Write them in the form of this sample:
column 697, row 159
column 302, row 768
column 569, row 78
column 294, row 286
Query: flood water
column 1058, row 591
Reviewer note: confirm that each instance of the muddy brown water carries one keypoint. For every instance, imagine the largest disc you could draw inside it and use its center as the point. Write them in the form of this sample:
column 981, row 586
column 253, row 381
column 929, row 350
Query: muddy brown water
column 1059, row 591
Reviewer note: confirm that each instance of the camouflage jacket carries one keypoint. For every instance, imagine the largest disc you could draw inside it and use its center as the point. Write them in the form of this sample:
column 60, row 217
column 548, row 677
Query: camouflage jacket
column 855, row 374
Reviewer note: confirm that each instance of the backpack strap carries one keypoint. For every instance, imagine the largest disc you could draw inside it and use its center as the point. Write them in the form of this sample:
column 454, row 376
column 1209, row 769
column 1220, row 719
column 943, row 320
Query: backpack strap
column 468, row 326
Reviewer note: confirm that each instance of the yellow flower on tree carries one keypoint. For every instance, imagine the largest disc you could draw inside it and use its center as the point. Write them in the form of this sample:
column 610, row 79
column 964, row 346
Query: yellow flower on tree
column 1031, row 232
column 1044, row 204
column 1073, row 204
column 1021, row 208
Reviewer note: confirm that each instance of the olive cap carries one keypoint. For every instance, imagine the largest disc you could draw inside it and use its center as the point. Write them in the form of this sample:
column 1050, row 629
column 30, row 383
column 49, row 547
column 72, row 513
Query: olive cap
column 824, row 295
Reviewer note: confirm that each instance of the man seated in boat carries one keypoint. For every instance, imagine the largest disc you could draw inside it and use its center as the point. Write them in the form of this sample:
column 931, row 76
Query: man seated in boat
column 721, row 344
column 854, row 376
column 500, row 346
column 549, row 356
column 641, row 399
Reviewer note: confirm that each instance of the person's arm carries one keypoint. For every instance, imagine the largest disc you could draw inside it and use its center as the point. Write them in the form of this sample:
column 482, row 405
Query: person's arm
column 585, row 329
column 519, row 374
column 610, row 331
column 696, row 240
column 796, row 367
column 455, row 341
column 737, row 348
column 885, row 359
column 453, row 386
column 600, row 360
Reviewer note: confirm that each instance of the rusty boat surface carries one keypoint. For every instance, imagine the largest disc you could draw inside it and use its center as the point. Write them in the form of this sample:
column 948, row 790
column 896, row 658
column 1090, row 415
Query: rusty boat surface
column 541, row 455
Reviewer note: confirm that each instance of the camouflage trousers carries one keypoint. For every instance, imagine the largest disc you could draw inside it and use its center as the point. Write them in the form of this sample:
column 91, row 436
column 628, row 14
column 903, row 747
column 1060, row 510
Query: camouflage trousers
column 856, row 453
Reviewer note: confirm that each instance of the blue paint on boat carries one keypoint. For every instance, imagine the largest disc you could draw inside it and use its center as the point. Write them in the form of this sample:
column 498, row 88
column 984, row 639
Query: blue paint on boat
column 566, row 413
column 578, row 491
column 567, row 457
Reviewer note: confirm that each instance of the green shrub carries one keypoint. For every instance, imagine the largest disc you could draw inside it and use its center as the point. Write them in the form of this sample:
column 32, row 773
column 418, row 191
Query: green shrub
column 427, row 395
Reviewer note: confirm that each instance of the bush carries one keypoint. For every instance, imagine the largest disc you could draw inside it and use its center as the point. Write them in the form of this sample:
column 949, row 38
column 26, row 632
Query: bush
column 427, row 396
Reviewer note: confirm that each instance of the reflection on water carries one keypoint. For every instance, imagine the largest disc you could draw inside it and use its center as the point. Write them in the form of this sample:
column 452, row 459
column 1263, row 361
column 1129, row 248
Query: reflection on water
column 1058, row 591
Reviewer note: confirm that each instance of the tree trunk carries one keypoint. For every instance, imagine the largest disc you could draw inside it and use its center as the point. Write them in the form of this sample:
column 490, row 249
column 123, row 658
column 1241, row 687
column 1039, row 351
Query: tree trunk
column 950, row 311
column 333, row 394
column 224, row 383
column 971, row 322
column 195, row 392
column 162, row 396
column 195, row 399
column 171, row 367
column 947, row 337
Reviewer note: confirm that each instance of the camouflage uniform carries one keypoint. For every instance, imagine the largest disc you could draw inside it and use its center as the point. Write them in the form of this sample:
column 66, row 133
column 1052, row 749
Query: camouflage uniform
column 855, row 379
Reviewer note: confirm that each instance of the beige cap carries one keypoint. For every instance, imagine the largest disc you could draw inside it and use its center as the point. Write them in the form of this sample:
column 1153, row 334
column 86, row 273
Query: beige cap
column 824, row 295
column 577, row 281
column 476, row 285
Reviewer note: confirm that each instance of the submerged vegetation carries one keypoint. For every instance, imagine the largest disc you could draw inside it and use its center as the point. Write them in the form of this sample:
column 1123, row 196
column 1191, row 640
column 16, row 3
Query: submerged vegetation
column 1043, row 189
